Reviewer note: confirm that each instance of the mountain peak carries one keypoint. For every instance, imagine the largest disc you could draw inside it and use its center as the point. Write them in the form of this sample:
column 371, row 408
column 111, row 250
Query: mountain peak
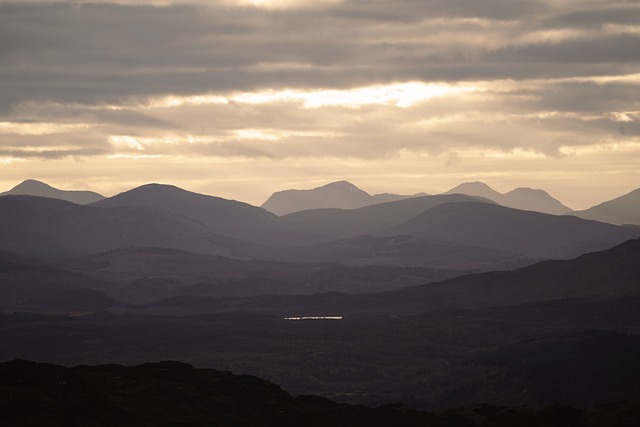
column 31, row 184
column 32, row 187
column 475, row 188
column 339, row 194
column 339, row 184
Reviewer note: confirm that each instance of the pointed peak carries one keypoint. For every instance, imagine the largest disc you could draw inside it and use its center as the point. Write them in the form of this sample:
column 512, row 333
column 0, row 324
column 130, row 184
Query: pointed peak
column 339, row 184
column 475, row 188
column 527, row 190
column 32, row 187
column 31, row 184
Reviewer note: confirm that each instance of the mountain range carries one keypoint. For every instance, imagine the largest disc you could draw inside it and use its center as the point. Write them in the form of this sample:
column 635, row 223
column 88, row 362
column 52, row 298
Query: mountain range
column 160, row 273
column 605, row 275
column 166, row 216
column 527, row 199
column 624, row 210
column 344, row 195
column 339, row 194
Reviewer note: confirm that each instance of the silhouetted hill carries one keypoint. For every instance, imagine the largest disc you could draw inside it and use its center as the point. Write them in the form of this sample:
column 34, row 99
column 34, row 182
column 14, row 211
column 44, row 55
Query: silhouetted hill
column 220, row 216
column 530, row 199
column 32, row 187
column 520, row 198
column 340, row 194
column 475, row 188
column 341, row 223
column 150, row 274
column 612, row 273
column 577, row 369
column 174, row 393
column 622, row 210
column 407, row 251
column 608, row 274
column 30, row 284
column 388, row 197
column 51, row 228
column 533, row 234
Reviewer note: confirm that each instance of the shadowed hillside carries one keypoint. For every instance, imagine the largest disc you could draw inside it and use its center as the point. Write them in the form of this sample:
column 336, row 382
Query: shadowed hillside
column 341, row 223
column 173, row 393
column 622, row 210
column 532, row 234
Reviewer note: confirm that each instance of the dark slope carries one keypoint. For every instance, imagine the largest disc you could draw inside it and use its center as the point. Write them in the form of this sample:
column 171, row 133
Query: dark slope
column 149, row 274
column 529, row 233
column 218, row 215
column 32, row 187
column 612, row 273
column 53, row 228
column 407, row 251
column 341, row 223
column 622, row 210
column 176, row 394
column 30, row 284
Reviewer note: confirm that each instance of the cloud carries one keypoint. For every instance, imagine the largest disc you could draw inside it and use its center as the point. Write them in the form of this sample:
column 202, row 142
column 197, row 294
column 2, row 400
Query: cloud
column 460, row 85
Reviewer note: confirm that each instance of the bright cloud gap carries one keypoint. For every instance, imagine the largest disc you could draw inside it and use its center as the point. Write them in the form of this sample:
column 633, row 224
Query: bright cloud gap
column 397, row 94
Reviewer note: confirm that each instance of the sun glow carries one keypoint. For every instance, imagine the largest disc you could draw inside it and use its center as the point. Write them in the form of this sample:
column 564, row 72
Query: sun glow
column 401, row 95
column 19, row 128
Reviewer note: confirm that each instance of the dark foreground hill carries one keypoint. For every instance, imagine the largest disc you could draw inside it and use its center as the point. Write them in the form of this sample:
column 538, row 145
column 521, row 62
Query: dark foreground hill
column 175, row 394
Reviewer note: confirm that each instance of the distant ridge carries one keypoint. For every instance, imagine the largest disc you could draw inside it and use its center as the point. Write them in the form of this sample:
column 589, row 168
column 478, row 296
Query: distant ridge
column 31, row 187
column 527, row 199
column 621, row 210
column 338, row 195
column 534, row 234
column 221, row 216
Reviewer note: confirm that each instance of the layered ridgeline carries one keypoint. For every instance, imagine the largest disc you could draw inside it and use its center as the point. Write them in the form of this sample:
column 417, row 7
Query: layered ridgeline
column 339, row 194
column 559, row 332
column 220, row 216
column 166, row 216
column 32, row 187
column 599, row 276
column 528, row 199
column 29, row 284
column 621, row 210
column 533, row 234
column 344, row 195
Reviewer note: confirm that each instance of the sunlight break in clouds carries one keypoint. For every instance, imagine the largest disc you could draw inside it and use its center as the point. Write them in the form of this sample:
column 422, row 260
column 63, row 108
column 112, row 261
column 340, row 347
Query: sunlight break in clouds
column 239, row 98
column 397, row 94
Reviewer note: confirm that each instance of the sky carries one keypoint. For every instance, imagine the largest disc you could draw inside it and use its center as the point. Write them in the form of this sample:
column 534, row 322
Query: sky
column 239, row 99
